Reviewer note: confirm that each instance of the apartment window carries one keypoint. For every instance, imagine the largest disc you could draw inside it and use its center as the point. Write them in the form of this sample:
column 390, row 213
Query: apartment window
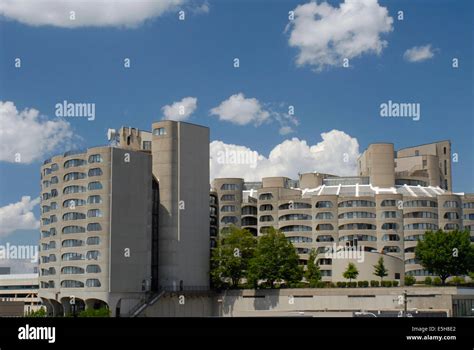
column 325, row 238
column 451, row 215
column 74, row 162
column 73, row 216
column 357, row 226
column 73, row 229
column 299, row 239
column 295, row 205
column 324, row 227
column 93, row 240
column 72, row 270
column 356, row 215
column 421, row 226
column 92, row 255
column 296, row 228
column 93, row 282
column 325, row 215
column 266, row 207
column 249, row 210
column 147, row 145
column 54, row 167
column 356, row 203
column 389, row 226
column 392, row 237
column 229, row 220
column 72, row 243
column 93, row 269
column 451, row 204
column 249, row 221
column 54, row 206
column 96, row 185
column 425, row 163
column 159, row 131
column 72, row 203
column 289, row 217
column 54, row 193
column 94, row 227
column 228, row 198
column 451, row 227
column 95, row 172
column 52, row 231
column 445, row 167
column 96, row 199
column 266, row 218
column 74, row 189
column 265, row 197
column 417, row 153
column 229, row 187
column 95, row 158
column 389, row 203
column 74, row 176
column 54, row 180
column 228, row 208
column 72, row 256
column 444, row 150
column 94, row 213
column 71, row 284
column 391, row 249
column 446, row 184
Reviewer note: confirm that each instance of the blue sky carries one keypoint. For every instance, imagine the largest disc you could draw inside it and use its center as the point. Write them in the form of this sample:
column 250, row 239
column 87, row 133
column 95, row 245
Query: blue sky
column 172, row 59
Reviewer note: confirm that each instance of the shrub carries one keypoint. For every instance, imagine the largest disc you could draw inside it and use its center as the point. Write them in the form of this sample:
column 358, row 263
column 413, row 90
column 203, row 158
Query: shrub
column 394, row 283
column 102, row 312
column 386, row 283
column 331, row 285
column 321, row 284
column 456, row 281
column 38, row 313
column 341, row 284
column 363, row 284
column 437, row 281
column 409, row 280
column 428, row 281
column 374, row 283
column 352, row 284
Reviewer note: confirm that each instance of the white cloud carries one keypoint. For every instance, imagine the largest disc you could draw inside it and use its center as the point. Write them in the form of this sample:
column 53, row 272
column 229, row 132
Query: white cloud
column 285, row 130
column 88, row 13
column 336, row 154
column 419, row 53
column 29, row 135
column 325, row 35
column 180, row 110
column 241, row 111
column 18, row 216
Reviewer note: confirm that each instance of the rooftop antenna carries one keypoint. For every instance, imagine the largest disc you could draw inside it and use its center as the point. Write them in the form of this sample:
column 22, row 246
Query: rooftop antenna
column 112, row 137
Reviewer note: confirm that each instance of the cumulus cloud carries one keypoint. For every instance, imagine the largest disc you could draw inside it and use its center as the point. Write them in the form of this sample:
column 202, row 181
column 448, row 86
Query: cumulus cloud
column 419, row 53
column 336, row 154
column 240, row 110
column 180, row 110
column 29, row 136
column 325, row 35
column 18, row 216
column 90, row 13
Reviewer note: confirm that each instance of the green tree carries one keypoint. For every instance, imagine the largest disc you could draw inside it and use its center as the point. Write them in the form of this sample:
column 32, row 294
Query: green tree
column 230, row 259
column 275, row 259
column 380, row 270
column 446, row 253
column 312, row 273
column 351, row 272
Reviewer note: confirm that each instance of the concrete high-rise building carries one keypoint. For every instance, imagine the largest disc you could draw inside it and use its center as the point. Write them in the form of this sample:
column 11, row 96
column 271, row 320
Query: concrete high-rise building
column 394, row 200
column 124, row 221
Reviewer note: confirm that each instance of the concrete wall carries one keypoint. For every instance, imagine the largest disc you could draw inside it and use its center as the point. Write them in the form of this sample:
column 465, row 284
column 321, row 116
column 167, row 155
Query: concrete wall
column 131, row 222
column 393, row 264
column 181, row 167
